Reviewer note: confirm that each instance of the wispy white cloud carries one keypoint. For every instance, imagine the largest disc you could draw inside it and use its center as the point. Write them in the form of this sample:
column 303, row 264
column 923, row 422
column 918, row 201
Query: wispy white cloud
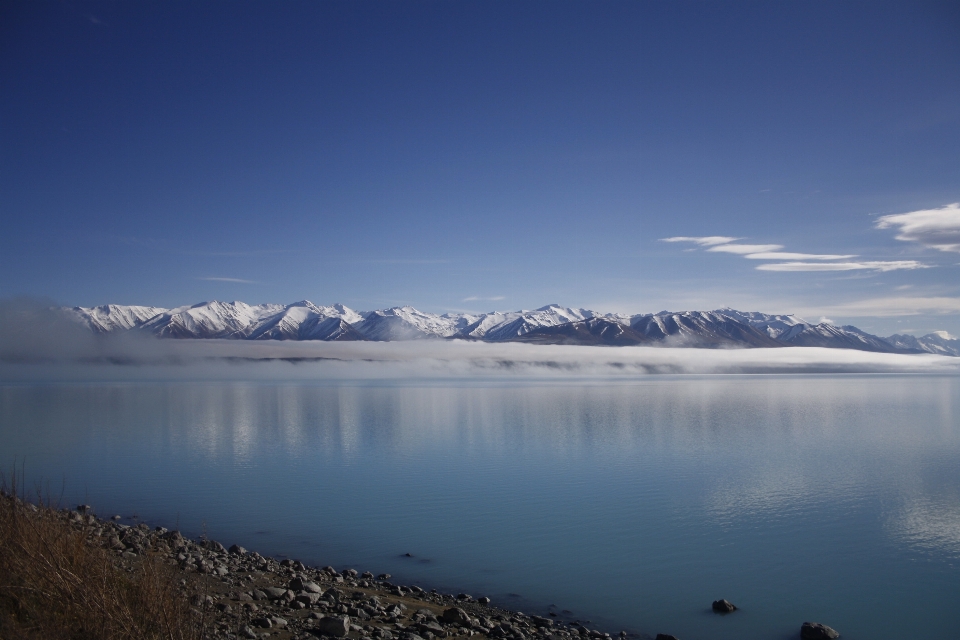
column 783, row 255
column 477, row 298
column 797, row 261
column 935, row 228
column 890, row 307
column 238, row 280
column 868, row 265
column 745, row 249
column 703, row 241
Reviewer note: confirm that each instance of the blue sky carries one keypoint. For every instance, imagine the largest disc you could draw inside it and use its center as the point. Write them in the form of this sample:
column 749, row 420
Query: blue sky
column 485, row 155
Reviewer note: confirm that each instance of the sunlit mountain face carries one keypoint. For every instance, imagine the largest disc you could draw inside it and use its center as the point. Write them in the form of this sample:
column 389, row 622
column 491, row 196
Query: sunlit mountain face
column 551, row 324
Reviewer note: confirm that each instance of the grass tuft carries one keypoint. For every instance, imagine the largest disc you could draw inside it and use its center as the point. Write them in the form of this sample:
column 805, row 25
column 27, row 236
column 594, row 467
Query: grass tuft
column 56, row 582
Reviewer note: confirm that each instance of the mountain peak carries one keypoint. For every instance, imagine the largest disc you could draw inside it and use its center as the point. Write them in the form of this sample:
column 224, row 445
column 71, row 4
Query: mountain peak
column 550, row 324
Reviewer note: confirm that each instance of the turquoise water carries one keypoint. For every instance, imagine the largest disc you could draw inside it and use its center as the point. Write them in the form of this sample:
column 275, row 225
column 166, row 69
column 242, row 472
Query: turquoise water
column 632, row 504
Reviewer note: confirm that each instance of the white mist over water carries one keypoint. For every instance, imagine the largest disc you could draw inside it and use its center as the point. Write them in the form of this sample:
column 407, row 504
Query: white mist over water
column 132, row 358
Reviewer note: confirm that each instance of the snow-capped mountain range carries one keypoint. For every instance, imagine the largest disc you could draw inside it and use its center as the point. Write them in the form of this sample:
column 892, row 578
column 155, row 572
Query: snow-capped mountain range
column 551, row 324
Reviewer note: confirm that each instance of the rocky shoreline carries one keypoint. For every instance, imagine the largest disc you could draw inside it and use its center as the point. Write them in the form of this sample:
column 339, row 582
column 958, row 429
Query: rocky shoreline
column 241, row 594
column 235, row 593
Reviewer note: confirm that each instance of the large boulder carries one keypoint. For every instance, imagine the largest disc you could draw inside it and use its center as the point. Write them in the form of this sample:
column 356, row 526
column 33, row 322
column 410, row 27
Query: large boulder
column 274, row 593
column 336, row 626
column 455, row 615
column 817, row 631
column 299, row 584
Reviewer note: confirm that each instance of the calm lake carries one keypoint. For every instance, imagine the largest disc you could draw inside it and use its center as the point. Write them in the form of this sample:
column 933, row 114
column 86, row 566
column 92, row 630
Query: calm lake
column 629, row 503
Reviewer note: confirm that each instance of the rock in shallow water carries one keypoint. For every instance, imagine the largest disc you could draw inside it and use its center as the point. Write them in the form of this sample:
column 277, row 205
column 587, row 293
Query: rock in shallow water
column 666, row 636
column 817, row 631
column 723, row 606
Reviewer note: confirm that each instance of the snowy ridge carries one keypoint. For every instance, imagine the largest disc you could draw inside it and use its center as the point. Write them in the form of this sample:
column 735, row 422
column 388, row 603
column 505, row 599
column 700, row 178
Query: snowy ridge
column 506, row 326
column 112, row 317
column 551, row 324
column 209, row 320
column 939, row 342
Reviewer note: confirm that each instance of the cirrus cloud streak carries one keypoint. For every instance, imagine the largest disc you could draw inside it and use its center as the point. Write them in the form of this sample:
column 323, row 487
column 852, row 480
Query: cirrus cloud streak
column 867, row 265
column 784, row 255
column 890, row 307
column 745, row 249
column 703, row 241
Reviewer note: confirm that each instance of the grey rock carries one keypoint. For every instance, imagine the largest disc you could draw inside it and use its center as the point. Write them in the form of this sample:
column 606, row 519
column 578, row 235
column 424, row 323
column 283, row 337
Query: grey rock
column 247, row 632
column 213, row 545
column 431, row 627
column 278, row 622
column 817, row 631
column 308, row 598
column 483, row 600
column 336, row 626
column 666, row 636
column 723, row 606
column 299, row 584
column 274, row 593
column 455, row 615
column 237, row 550
column 263, row 623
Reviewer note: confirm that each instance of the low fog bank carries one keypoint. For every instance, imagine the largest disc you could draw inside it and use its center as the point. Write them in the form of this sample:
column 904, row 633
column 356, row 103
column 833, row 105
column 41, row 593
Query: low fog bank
column 227, row 360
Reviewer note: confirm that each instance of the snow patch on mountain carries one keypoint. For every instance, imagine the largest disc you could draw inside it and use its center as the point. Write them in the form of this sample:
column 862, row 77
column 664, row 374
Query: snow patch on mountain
column 108, row 318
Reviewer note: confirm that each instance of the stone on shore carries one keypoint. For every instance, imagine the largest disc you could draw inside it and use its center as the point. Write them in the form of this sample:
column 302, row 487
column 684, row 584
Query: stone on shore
column 299, row 584
column 274, row 593
column 336, row 626
column 817, row 631
column 723, row 606
column 237, row 550
column 455, row 615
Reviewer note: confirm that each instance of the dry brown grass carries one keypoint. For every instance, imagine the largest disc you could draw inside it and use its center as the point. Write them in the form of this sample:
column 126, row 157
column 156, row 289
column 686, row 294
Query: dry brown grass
column 57, row 583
